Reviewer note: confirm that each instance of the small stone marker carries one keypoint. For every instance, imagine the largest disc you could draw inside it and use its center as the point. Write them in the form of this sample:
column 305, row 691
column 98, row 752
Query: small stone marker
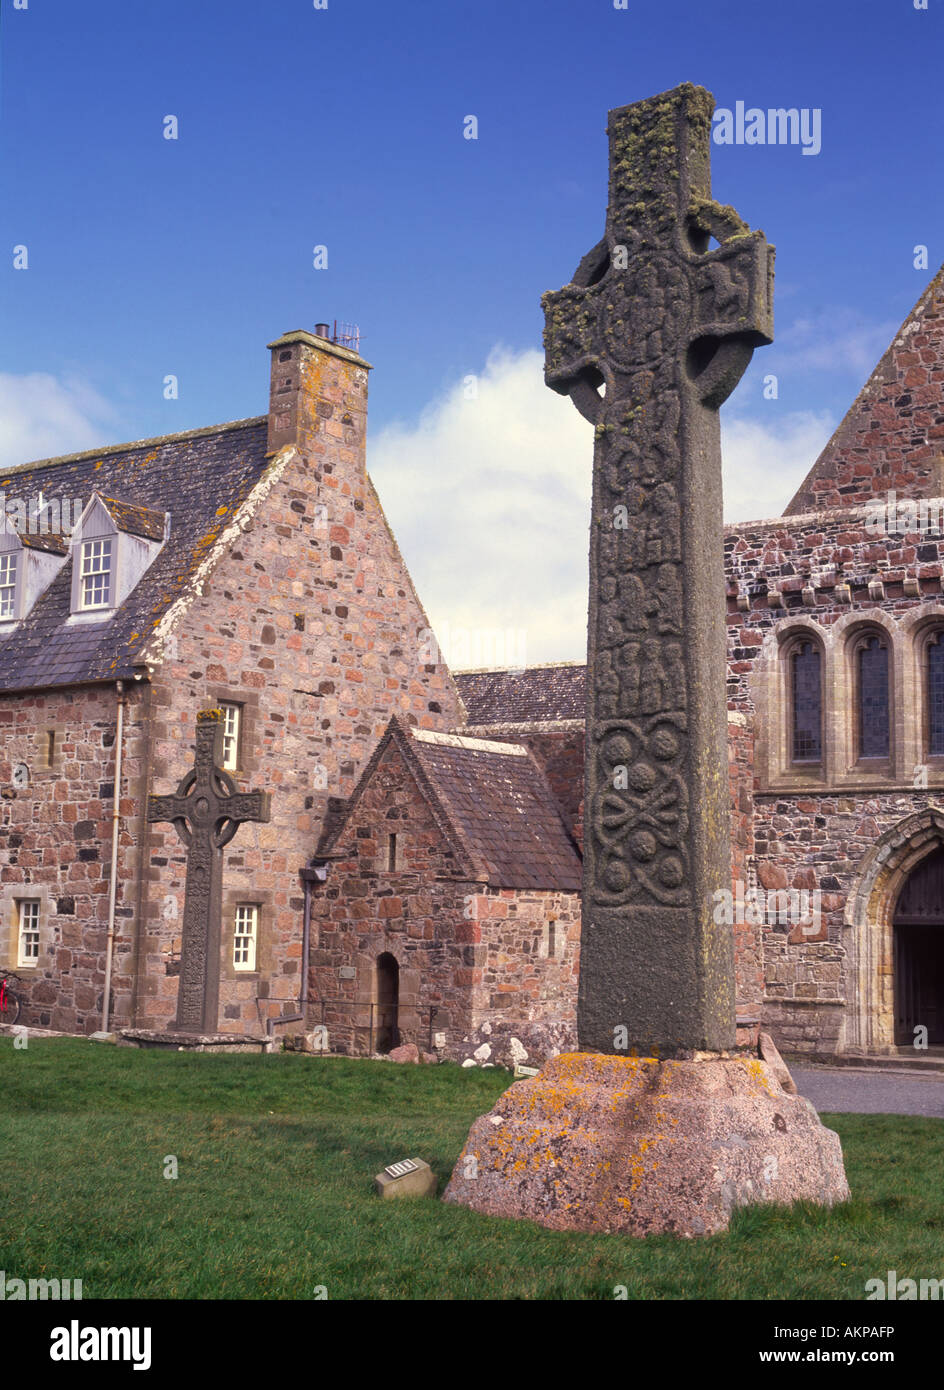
column 397, row 1170
column 410, row 1177
column 771, row 1054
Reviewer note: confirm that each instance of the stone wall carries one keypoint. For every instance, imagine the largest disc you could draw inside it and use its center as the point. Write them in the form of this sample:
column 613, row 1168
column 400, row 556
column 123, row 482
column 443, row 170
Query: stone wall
column 532, row 955
column 527, row 1008
column 748, row 938
column 55, row 846
column 560, row 754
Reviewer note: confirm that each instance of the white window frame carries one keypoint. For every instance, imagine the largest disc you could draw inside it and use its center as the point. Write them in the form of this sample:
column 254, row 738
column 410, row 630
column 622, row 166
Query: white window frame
column 88, row 555
column 28, row 918
column 9, row 576
column 232, row 728
column 245, row 936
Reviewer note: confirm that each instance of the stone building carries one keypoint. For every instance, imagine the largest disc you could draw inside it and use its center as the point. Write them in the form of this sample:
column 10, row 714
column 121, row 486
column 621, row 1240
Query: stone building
column 247, row 567
column 449, row 914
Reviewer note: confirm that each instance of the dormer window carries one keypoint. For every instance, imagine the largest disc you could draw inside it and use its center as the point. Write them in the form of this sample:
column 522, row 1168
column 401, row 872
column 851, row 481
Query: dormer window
column 28, row 565
column 113, row 543
column 95, row 583
column 8, row 585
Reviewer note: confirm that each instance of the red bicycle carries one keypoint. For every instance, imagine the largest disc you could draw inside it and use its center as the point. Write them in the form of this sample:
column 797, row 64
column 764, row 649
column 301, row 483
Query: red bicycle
column 9, row 1001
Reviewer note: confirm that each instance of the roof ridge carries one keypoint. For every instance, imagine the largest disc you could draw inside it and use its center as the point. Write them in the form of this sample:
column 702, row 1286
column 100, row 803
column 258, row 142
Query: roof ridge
column 517, row 670
column 475, row 745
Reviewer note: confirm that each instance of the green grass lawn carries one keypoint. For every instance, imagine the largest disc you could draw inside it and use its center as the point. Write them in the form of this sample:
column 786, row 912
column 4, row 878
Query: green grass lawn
column 275, row 1196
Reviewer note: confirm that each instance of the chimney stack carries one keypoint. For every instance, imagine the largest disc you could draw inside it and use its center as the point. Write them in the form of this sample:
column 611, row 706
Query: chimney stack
column 318, row 401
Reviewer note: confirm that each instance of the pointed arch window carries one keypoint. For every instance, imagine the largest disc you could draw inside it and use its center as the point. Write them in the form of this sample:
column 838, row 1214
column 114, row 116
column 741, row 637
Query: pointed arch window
column 806, row 731
column 934, row 685
column 872, row 702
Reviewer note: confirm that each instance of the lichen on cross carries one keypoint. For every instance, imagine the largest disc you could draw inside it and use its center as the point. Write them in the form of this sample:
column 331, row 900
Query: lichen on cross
column 652, row 335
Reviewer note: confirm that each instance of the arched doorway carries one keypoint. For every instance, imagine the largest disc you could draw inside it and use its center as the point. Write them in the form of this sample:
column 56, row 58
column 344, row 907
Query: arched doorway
column 918, row 925
column 869, row 933
column 387, row 995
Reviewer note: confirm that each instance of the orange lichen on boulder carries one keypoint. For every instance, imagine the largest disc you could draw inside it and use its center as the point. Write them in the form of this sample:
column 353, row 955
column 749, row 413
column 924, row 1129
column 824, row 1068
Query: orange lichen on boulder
column 642, row 1146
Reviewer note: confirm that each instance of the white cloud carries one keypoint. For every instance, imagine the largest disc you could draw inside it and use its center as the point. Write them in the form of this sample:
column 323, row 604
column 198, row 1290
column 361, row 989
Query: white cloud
column 41, row 416
column 764, row 464
column 490, row 501
column 835, row 340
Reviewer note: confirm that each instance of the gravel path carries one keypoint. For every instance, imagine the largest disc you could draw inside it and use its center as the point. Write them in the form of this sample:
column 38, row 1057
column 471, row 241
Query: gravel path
column 871, row 1092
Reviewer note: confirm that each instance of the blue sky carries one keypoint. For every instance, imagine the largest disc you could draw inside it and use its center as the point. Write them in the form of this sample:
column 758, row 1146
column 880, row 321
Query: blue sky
column 344, row 127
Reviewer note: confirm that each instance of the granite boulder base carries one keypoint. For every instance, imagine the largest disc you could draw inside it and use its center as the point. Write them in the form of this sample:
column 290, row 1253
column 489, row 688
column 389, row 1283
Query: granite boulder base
column 644, row 1147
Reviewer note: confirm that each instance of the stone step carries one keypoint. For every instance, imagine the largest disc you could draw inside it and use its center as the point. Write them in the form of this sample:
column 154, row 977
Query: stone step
column 907, row 1061
column 197, row 1042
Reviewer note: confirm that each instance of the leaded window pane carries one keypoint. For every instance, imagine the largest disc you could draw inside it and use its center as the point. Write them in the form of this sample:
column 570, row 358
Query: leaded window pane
column 807, row 705
column 230, row 737
column 28, row 911
column 96, row 572
column 8, row 585
column 936, row 695
column 244, row 936
column 873, row 700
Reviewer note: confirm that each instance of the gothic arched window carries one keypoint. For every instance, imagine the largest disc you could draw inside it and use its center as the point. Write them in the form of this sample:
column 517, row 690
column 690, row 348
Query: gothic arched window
column 872, row 705
column 935, row 694
column 807, row 704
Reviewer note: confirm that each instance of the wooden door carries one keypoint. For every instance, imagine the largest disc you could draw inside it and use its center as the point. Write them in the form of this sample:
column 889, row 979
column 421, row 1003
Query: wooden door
column 919, row 953
column 388, row 1002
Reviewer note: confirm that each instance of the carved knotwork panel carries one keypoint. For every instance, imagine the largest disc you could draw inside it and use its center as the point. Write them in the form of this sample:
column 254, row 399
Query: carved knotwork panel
column 639, row 812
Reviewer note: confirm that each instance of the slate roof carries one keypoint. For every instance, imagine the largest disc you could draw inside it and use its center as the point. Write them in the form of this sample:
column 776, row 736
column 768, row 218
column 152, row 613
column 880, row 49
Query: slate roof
column 201, row 478
column 51, row 541
column 539, row 694
column 138, row 521
column 491, row 802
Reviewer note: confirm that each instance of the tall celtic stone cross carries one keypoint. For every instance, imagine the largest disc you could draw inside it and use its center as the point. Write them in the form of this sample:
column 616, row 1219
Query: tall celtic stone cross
column 206, row 810
column 666, row 327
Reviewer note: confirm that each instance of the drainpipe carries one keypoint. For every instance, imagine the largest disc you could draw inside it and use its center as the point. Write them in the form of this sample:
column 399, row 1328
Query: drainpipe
column 115, row 825
column 316, row 872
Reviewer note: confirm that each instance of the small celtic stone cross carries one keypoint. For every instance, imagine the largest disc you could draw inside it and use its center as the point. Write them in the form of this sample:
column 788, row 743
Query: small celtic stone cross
column 649, row 339
column 206, row 810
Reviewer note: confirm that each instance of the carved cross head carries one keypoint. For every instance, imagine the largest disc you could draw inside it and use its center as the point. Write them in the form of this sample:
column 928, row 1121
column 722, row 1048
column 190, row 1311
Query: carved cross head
column 653, row 288
column 207, row 802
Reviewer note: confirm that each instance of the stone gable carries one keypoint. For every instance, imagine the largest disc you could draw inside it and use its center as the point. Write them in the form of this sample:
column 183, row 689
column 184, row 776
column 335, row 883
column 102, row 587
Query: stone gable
column 892, row 437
